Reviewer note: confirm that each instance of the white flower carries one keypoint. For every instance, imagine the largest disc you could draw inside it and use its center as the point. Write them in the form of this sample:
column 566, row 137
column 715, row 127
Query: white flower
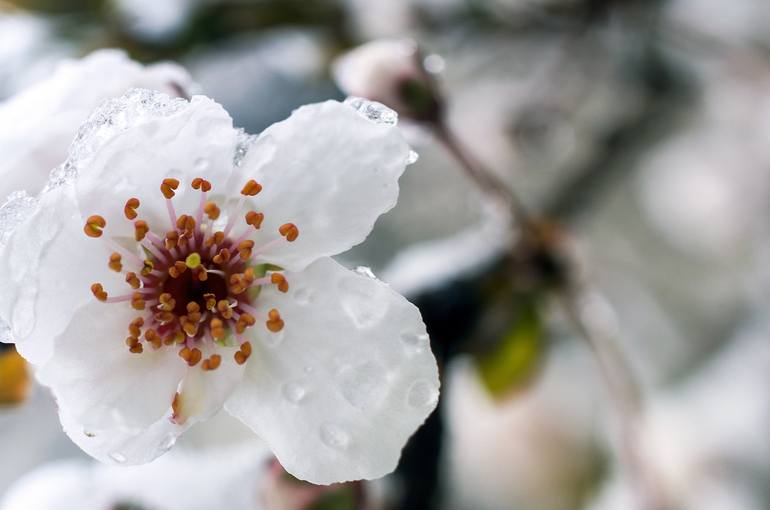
column 223, row 292
column 389, row 71
column 38, row 124
column 229, row 478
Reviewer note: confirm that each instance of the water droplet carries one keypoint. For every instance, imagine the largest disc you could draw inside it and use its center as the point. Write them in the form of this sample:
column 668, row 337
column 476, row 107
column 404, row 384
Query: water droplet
column 294, row 392
column 118, row 457
column 18, row 206
column 415, row 341
column 201, row 164
column 422, row 394
column 365, row 271
column 308, row 369
column 362, row 300
column 412, row 157
column 372, row 110
column 334, row 436
column 364, row 386
column 304, row 296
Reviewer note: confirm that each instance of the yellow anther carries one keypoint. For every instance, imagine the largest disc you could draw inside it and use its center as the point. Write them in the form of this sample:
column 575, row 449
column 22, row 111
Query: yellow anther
column 217, row 329
column 98, row 292
column 251, row 188
column 210, row 301
column 137, row 301
column 254, row 219
column 132, row 204
column 274, row 322
column 201, row 184
column 140, row 229
column 223, row 307
column 172, row 240
column 211, row 210
column 185, row 223
column 135, row 327
column 115, row 263
column 94, row 225
column 167, row 303
column 168, row 186
column 289, row 231
column 193, row 260
column 147, row 267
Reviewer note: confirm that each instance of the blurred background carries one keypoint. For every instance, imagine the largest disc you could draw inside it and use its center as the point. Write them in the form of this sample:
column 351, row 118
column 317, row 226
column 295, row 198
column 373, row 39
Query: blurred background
column 636, row 134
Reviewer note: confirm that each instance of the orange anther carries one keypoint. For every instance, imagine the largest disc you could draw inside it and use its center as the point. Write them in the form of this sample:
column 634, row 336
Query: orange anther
column 140, row 229
column 167, row 303
column 136, row 349
column 177, row 269
column 223, row 307
column 201, row 184
column 172, row 240
column 251, row 188
column 186, row 223
column 135, row 327
column 195, row 356
column 184, row 353
column 131, row 341
column 217, row 329
column 211, row 210
column 274, row 322
column 98, row 292
column 289, row 231
column 133, row 280
column 212, row 363
column 168, row 186
column 94, row 225
column 115, row 263
column 210, row 301
column 153, row 337
column 254, row 219
column 137, row 301
column 223, row 257
column 243, row 353
column 132, row 204
column 280, row 281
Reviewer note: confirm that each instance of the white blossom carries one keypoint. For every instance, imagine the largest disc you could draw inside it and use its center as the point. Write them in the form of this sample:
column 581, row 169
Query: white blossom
column 38, row 124
column 173, row 266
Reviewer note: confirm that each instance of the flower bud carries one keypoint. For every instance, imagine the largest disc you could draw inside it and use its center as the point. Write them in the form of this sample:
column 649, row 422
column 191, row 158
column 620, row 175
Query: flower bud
column 392, row 72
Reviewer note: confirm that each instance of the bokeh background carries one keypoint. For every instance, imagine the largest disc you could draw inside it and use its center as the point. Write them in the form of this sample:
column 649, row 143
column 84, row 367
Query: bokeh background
column 641, row 128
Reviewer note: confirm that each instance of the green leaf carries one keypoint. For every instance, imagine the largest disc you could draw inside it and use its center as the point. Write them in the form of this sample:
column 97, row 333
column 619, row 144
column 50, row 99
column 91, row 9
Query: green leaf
column 342, row 498
column 515, row 359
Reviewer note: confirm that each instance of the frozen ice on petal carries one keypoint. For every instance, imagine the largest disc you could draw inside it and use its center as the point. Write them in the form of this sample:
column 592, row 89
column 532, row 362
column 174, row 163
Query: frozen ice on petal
column 412, row 158
column 372, row 110
column 18, row 206
column 365, row 271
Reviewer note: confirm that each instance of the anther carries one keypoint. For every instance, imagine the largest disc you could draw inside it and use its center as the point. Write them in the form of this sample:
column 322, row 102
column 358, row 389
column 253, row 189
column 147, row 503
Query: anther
column 243, row 353
column 210, row 301
column 115, row 263
column 201, row 184
column 223, row 257
column 274, row 322
column 223, row 307
column 185, row 223
column 136, row 348
column 177, row 269
column 244, row 248
column 217, row 329
column 94, row 225
column 147, row 267
column 172, row 240
column 212, row 363
column 195, row 356
column 135, row 327
column 137, row 301
column 133, row 280
column 168, row 186
column 251, row 188
column 152, row 337
column 211, row 210
column 132, row 204
column 201, row 274
column 98, row 292
column 215, row 239
column 289, row 231
column 280, row 281
column 254, row 219
column 140, row 229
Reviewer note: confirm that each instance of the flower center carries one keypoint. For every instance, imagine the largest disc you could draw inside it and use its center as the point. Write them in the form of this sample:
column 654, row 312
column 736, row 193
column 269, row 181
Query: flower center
column 193, row 286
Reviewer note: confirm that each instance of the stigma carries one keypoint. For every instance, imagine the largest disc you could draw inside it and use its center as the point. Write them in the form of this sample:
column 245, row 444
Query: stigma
column 195, row 287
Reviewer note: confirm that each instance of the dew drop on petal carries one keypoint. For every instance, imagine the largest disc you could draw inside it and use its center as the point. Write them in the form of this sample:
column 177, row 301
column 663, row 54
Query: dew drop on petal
column 362, row 300
column 294, row 391
column 118, row 457
column 416, row 341
column 412, row 157
column 16, row 208
column 168, row 443
column 422, row 394
column 334, row 436
column 365, row 271
column 372, row 110
column 201, row 164
column 304, row 296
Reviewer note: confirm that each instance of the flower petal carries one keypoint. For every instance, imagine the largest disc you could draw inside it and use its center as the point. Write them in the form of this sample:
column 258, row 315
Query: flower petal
column 337, row 393
column 105, row 390
column 130, row 144
column 328, row 170
column 47, row 265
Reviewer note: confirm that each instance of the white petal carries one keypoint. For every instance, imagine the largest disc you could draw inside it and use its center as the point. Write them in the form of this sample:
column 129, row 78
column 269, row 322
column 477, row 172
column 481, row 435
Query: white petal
column 202, row 393
column 47, row 267
column 103, row 390
column 328, row 170
column 132, row 143
column 337, row 393
column 38, row 125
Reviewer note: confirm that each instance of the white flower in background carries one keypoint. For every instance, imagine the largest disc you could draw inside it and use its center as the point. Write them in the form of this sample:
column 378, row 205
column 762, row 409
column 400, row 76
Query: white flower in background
column 38, row 124
column 392, row 72
column 173, row 266
column 229, row 478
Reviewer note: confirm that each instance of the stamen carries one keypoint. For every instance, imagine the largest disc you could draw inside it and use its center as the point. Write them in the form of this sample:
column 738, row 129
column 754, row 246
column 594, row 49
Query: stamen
column 132, row 204
column 98, row 292
column 217, row 329
column 168, row 187
column 211, row 210
column 251, row 188
column 280, row 281
column 289, row 231
column 210, row 301
column 223, row 307
column 115, row 262
column 137, row 301
column 243, row 353
column 191, row 356
column 212, row 363
column 177, row 269
column 133, row 280
column 201, row 184
column 254, row 219
column 140, row 230
column 274, row 322
column 94, row 225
